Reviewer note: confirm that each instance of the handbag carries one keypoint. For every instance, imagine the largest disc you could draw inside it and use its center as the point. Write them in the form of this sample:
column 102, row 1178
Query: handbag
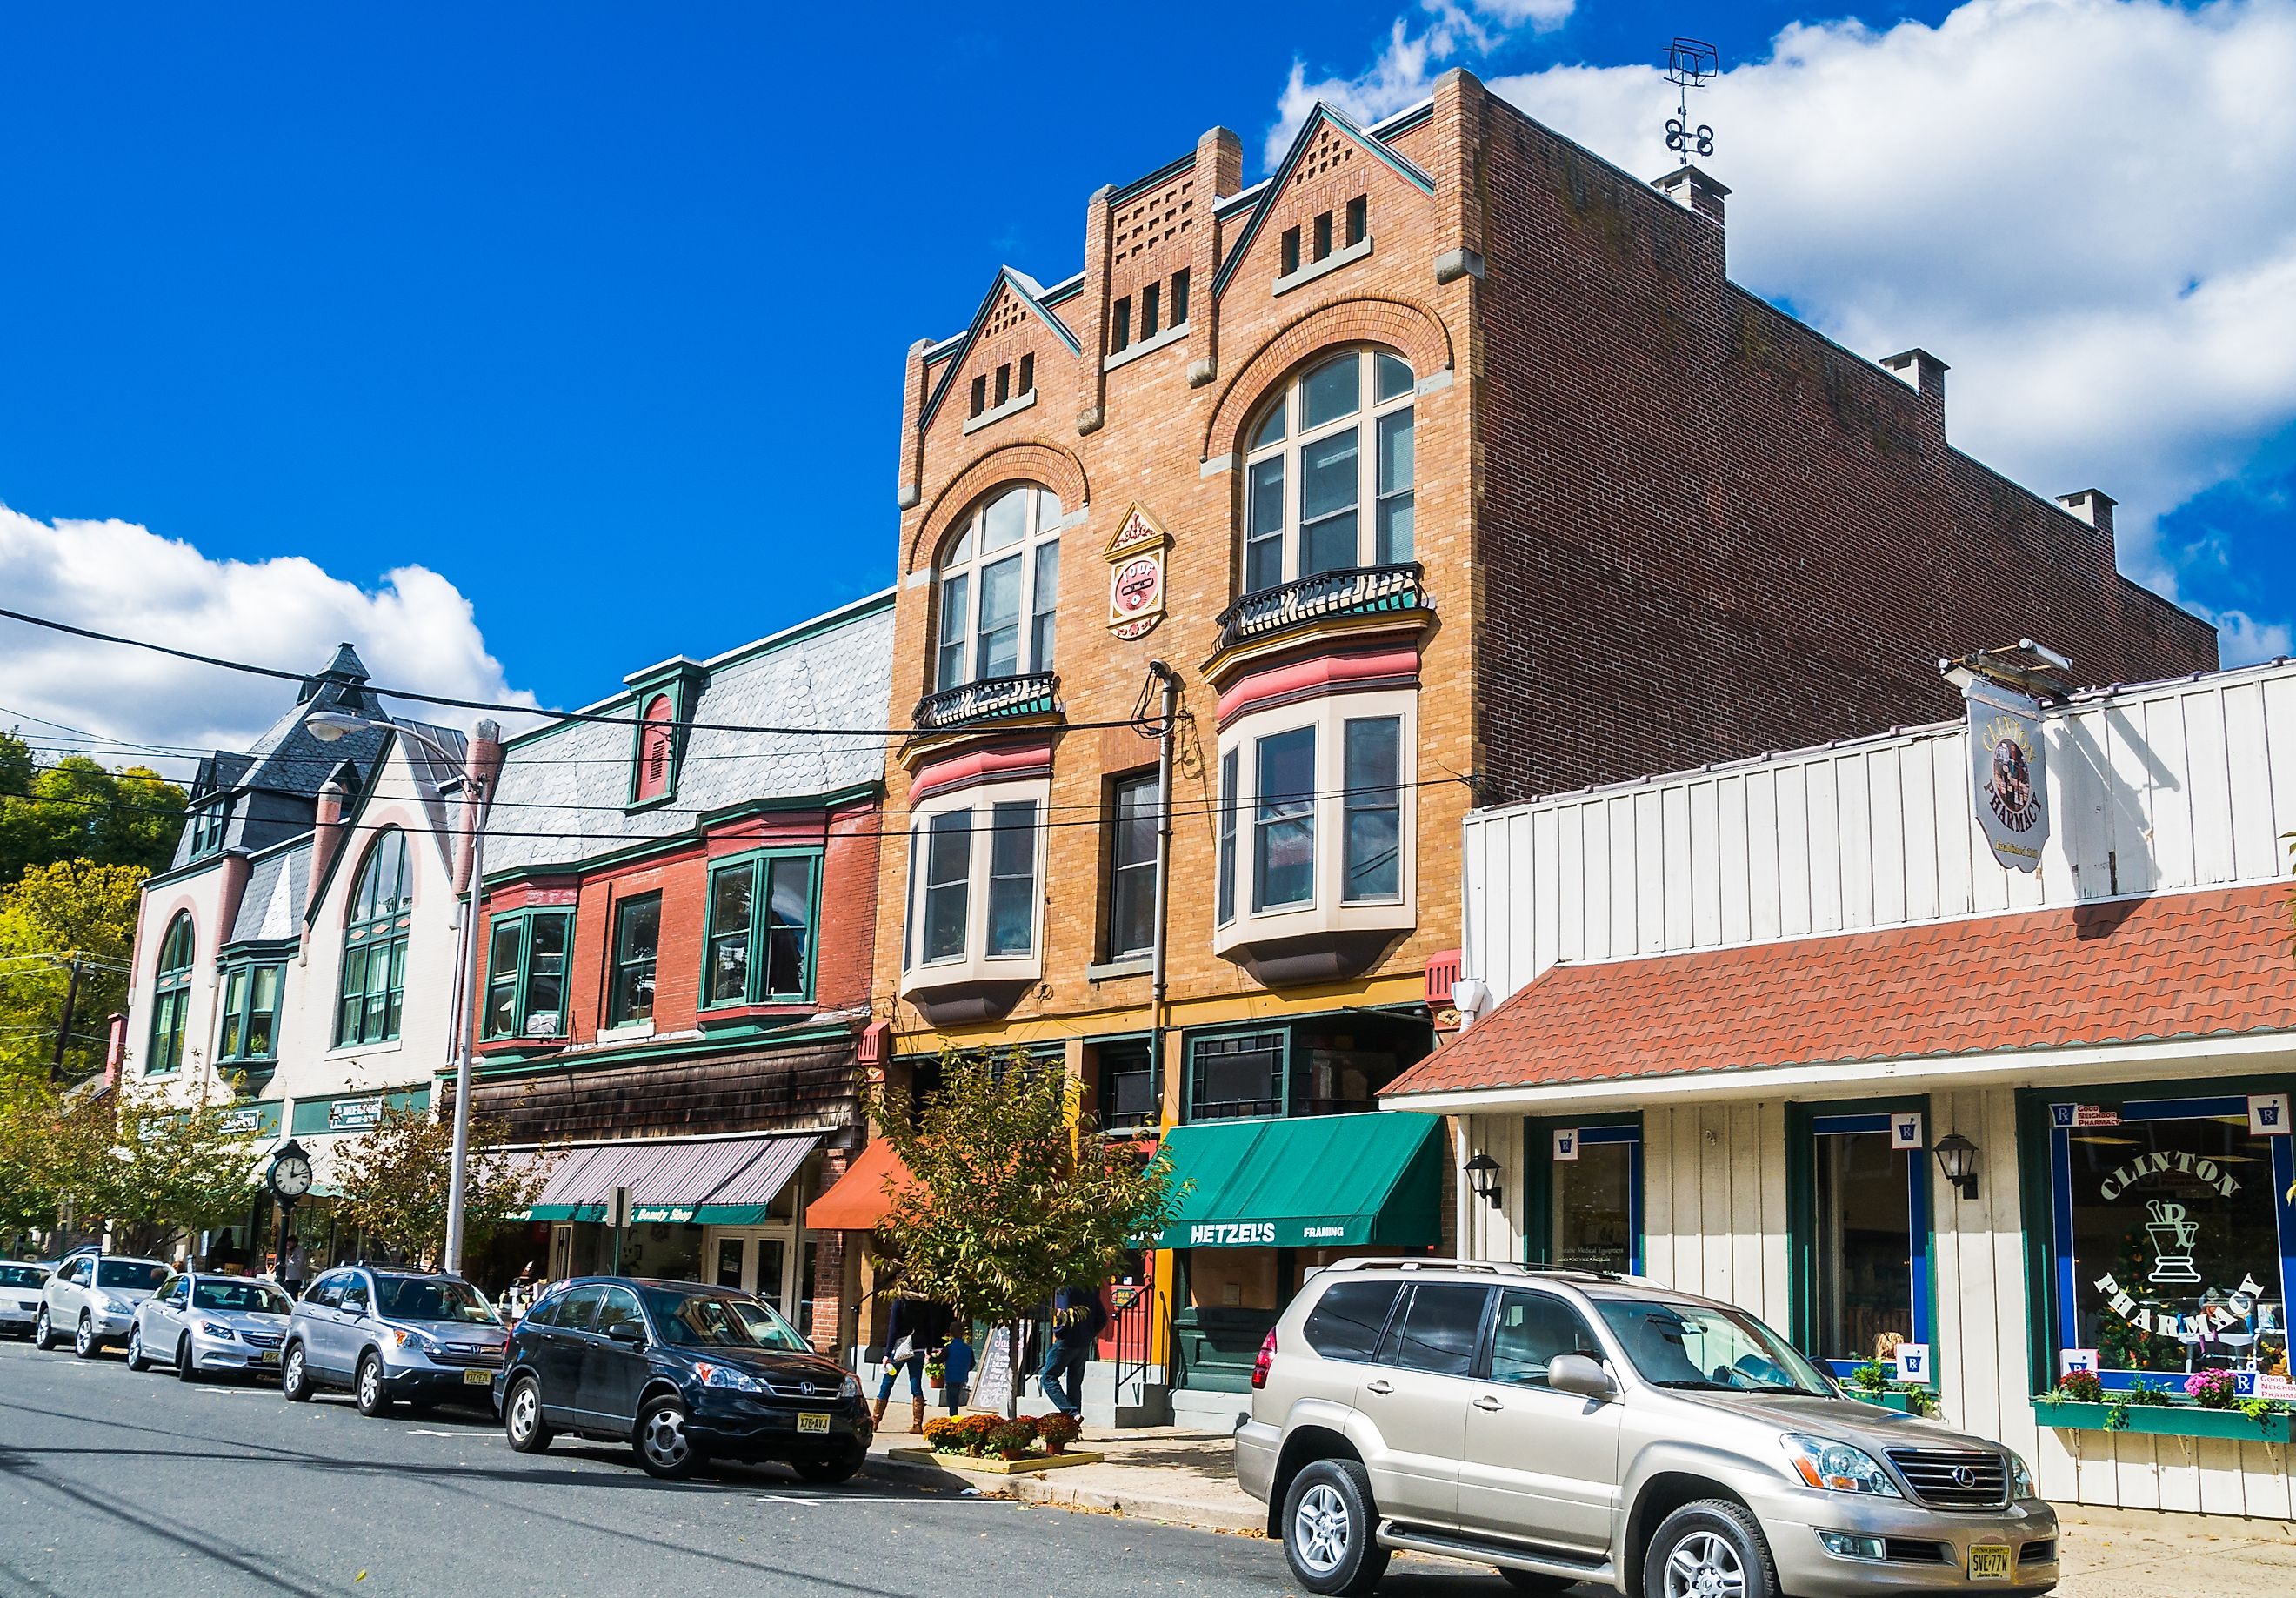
column 902, row 1352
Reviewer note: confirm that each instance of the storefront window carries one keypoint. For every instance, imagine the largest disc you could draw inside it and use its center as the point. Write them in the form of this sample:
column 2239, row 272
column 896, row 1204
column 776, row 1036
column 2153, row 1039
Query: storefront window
column 1593, row 1218
column 2173, row 1235
column 1869, row 1239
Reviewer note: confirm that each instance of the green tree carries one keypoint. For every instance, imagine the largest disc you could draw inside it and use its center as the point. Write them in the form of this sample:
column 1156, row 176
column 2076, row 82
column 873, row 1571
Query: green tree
column 395, row 1179
column 34, row 1159
column 77, row 809
column 157, row 1168
column 51, row 917
column 1015, row 1195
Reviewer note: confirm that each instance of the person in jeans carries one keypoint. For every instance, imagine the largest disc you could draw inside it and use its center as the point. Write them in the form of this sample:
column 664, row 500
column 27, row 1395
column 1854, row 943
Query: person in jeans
column 1078, row 1321
column 915, row 1327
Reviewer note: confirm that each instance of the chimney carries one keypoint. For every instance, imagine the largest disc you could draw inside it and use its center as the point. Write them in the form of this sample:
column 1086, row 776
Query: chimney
column 1925, row 373
column 1219, row 173
column 1694, row 190
column 906, row 491
column 328, row 827
column 482, row 766
column 2092, row 505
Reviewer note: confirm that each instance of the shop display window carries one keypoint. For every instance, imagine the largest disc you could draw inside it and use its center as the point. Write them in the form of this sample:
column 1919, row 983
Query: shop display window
column 2174, row 1238
column 1591, row 1216
column 1869, row 1239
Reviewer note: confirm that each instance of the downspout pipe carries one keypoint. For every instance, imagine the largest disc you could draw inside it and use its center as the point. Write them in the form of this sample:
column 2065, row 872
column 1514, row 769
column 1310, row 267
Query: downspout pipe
column 1169, row 718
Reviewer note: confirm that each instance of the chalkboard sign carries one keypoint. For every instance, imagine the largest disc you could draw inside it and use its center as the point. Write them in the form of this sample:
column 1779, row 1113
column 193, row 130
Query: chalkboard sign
column 992, row 1387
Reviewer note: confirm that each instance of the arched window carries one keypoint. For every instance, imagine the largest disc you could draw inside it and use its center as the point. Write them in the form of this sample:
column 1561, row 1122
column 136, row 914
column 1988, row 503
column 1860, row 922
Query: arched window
column 1328, row 476
column 653, row 748
column 1000, row 579
column 171, row 995
column 374, row 944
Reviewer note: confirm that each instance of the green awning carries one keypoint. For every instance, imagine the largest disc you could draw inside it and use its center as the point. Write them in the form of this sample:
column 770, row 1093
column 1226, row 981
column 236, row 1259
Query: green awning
column 1315, row 1182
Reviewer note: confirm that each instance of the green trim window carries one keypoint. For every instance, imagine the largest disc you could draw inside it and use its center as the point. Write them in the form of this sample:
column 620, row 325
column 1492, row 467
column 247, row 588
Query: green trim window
column 250, row 1012
column 375, row 945
column 526, row 973
column 750, row 958
column 171, row 997
column 638, row 946
column 206, row 828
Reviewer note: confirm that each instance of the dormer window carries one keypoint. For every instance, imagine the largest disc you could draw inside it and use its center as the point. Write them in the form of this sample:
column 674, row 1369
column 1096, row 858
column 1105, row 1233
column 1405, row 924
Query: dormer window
column 206, row 828
column 999, row 589
column 655, row 731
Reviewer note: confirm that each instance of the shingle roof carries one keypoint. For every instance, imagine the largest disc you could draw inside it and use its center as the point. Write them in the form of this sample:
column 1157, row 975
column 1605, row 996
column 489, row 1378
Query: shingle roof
column 2199, row 965
column 271, row 907
column 572, row 782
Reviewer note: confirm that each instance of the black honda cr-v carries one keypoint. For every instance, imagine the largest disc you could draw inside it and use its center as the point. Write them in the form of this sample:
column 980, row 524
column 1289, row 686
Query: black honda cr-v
column 682, row 1372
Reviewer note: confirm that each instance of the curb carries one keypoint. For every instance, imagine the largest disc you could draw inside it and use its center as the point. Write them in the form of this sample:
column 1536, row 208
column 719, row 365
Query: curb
column 1058, row 1491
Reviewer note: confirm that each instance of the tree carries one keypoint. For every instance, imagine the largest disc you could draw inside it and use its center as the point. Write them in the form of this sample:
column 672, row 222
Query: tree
column 156, row 1168
column 50, row 917
column 1015, row 1194
column 33, row 1158
column 78, row 809
column 395, row 1181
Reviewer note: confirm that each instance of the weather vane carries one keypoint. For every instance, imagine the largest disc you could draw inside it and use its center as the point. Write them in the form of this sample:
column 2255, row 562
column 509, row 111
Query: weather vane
column 1690, row 64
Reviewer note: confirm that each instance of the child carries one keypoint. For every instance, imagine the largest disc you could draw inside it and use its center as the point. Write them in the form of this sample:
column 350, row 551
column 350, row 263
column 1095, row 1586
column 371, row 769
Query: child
column 956, row 1368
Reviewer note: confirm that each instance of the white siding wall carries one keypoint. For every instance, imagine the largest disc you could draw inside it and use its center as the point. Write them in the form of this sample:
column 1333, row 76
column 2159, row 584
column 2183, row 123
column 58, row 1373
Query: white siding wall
column 2178, row 786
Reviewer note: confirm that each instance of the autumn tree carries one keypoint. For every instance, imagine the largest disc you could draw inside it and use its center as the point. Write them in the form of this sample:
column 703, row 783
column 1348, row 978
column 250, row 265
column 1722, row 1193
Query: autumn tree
column 51, row 918
column 1015, row 1194
column 79, row 809
column 158, row 1169
column 395, row 1179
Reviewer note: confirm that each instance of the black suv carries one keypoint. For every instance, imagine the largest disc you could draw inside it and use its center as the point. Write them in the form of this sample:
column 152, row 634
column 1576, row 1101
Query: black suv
column 683, row 1374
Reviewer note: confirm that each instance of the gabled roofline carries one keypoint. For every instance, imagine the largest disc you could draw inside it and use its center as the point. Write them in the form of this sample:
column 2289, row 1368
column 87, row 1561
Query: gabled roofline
column 441, row 837
column 1324, row 112
column 1031, row 295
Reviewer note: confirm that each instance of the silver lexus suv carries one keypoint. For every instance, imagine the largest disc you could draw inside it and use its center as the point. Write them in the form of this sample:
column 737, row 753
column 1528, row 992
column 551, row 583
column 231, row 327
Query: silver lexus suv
column 1570, row 1427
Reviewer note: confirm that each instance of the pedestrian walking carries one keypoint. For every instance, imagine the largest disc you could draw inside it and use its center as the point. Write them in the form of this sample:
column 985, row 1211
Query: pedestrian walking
column 291, row 1278
column 915, row 1327
column 1078, row 1318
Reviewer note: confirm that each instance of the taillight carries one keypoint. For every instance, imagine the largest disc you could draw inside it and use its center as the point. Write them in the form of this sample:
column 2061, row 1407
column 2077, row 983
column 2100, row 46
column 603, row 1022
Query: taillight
column 1260, row 1366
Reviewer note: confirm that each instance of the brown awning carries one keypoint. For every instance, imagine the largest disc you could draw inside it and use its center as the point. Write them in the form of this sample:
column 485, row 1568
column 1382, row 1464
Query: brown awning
column 857, row 1200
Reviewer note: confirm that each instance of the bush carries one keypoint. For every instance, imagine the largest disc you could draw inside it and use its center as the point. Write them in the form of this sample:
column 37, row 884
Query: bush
column 2081, row 1386
column 1012, row 1439
column 960, row 1434
column 2212, row 1389
column 1058, row 1430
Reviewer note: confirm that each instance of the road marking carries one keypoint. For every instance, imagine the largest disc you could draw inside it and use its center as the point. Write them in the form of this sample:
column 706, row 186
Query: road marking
column 419, row 1431
column 816, row 1498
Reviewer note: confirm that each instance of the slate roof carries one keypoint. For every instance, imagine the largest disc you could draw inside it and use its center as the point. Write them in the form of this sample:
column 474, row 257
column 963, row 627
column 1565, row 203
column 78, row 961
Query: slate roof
column 572, row 781
column 278, row 885
column 2213, row 963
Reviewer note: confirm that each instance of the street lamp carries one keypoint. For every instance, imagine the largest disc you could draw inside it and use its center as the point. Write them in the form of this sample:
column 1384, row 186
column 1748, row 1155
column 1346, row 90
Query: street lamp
column 327, row 726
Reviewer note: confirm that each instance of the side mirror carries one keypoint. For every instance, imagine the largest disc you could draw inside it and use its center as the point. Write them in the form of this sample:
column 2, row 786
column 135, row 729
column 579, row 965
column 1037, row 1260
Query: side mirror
column 626, row 1331
column 1576, row 1373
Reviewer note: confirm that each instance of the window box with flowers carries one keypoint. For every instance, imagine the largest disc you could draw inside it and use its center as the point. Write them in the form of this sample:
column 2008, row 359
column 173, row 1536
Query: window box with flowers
column 2213, row 1407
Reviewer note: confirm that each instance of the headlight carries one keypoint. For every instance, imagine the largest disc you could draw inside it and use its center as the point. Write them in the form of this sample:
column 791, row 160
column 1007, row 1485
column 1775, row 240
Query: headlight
column 220, row 1331
column 401, row 1339
column 2021, row 1476
column 1837, row 1467
column 727, row 1376
column 851, row 1390
column 116, row 1304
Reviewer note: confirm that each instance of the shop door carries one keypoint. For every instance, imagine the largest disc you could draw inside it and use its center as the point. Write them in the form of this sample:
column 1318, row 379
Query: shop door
column 1864, row 1222
column 562, row 1252
column 754, row 1260
column 1585, row 1194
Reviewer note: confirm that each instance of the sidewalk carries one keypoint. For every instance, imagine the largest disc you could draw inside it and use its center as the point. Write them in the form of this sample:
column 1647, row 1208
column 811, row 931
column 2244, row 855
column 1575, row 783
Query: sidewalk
column 1188, row 1479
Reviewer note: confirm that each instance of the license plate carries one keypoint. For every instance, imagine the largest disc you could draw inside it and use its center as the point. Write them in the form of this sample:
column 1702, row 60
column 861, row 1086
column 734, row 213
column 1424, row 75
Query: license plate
column 1989, row 1561
column 813, row 1422
column 269, row 1356
column 477, row 1378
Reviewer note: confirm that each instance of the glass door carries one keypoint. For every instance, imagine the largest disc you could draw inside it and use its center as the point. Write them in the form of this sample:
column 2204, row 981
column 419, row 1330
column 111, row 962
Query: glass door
column 1585, row 1194
column 1865, row 1226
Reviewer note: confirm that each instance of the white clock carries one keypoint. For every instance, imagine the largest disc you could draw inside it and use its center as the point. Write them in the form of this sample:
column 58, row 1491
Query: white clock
column 291, row 1176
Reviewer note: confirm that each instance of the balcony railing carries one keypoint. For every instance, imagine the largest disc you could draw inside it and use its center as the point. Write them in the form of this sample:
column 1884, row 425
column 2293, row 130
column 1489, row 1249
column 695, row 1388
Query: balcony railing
column 990, row 699
column 1360, row 591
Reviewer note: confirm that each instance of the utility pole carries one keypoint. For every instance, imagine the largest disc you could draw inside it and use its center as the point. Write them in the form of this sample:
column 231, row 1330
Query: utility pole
column 63, row 1028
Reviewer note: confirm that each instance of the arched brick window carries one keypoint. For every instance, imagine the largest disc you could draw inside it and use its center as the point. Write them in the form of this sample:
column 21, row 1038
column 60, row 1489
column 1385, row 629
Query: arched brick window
column 1329, row 471
column 998, row 588
column 653, row 748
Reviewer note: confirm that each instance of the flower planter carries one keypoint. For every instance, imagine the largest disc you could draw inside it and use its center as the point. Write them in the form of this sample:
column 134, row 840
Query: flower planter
column 990, row 1465
column 2166, row 1421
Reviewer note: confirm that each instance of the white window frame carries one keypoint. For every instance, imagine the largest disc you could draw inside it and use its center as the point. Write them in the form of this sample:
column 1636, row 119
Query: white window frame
column 974, row 963
column 964, row 560
column 1328, row 911
column 1282, row 457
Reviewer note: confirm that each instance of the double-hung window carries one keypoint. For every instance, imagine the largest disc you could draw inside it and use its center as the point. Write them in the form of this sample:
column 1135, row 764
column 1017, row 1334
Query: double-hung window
column 206, row 828
column 973, row 892
column 250, row 1030
column 1013, row 877
column 1284, row 842
column 999, row 591
column 1328, row 479
column 760, row 942
column 1132, row 867
column 1373, row 802
column 637, row 944
column 526, row 974
column 171, row 997
column 374, row 944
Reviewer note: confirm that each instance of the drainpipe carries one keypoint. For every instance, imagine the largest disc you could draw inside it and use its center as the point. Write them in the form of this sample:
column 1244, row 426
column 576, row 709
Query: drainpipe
column 1165, row 740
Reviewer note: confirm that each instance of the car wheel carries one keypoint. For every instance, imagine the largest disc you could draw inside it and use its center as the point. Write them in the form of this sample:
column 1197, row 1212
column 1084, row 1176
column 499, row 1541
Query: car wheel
column 84, row 1340
column 135, row 1360
column 827, row 1472
column 1328, row 1530
column 372, row 1398
column 522, row 1417
column 1531, row 1581
column 1710, row 1549
column 187, row 1362
column 664, row 1445
column 294, row 1376
column 43, row 1335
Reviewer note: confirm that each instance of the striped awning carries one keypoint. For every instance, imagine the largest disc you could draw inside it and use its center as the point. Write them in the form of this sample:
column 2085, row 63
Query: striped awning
column 699, row 1181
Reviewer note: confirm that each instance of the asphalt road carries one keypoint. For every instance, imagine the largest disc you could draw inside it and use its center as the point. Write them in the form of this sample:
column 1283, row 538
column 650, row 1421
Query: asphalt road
column 116, row 1484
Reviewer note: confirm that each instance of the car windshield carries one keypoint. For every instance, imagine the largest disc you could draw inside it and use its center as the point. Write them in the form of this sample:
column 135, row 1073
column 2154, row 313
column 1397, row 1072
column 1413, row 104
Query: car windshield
column 129, row 1273
column 432, row 1299
column 721, row 1321
column 21, row 1276
column 1705, row 1350
column 226, row 1292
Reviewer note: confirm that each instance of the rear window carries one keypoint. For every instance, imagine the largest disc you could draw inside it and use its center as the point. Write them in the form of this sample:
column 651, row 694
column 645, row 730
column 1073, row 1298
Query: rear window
column 21, row 1276
column 1347, row 1321
column 1437, row 1330
column 130, row 1273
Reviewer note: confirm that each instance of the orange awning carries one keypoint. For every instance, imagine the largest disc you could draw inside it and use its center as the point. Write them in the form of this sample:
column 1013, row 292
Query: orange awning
column 857, row 1200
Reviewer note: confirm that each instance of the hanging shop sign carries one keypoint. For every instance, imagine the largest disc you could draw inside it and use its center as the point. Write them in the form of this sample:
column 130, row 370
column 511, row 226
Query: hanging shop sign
column 1566, row 1142
column 2008, row 774
column 1912, row 1363
column 1135, row 575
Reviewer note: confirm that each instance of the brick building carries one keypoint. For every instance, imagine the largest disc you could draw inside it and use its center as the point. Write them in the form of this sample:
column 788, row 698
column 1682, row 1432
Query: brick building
column 675, row 979
column 1445, row 466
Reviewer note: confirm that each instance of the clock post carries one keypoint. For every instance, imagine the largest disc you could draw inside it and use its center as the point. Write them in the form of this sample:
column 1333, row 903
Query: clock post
column 289, row 1179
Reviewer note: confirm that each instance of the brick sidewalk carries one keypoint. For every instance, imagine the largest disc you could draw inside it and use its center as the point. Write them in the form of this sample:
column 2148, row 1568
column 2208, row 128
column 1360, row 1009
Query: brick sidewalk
column 1188, row 1479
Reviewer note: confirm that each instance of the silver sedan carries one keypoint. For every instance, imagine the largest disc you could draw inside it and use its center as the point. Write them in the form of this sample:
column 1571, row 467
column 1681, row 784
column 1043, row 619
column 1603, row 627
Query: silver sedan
column 201, row 1324
column 20, row 1282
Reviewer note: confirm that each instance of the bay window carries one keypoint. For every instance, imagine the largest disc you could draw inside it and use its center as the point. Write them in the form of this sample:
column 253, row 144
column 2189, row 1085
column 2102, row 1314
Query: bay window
column 975, row 898
column 999, row 589
column 251, row 1014
column 1328, row 477
column 526, row 974
column 760, row 944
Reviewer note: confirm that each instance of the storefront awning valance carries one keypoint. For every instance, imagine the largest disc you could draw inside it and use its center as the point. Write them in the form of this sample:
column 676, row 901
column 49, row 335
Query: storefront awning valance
column 857, row 1200
column 1313, row 1182
column 714, row 1182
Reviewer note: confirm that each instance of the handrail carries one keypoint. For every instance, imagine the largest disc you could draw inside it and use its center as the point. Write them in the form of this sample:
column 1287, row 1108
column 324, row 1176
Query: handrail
column 989, row 699
column 1356, row 590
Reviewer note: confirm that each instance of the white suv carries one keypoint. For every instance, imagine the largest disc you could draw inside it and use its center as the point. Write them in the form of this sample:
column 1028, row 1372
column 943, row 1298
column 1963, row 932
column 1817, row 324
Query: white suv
column 1566, row 1427
column 92, row 1299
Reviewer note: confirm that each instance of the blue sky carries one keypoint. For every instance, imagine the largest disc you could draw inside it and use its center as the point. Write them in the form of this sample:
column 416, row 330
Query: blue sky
column 599, row 313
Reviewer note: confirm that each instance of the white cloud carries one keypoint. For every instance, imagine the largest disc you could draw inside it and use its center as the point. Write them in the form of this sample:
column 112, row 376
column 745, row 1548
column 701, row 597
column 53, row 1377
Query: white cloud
column 415, row 632
column 2080, row 204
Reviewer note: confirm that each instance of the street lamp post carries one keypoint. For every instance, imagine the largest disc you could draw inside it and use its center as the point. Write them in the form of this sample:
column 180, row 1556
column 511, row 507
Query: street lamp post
column 327, row 726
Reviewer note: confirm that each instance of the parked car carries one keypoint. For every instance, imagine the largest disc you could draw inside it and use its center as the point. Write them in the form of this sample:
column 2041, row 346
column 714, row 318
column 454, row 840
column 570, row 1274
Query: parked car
column 94, row 1295
column 21, row 1281
column 683, row 1374
column 199, row 1323
column 1569, row 1427
column 387, row 1335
